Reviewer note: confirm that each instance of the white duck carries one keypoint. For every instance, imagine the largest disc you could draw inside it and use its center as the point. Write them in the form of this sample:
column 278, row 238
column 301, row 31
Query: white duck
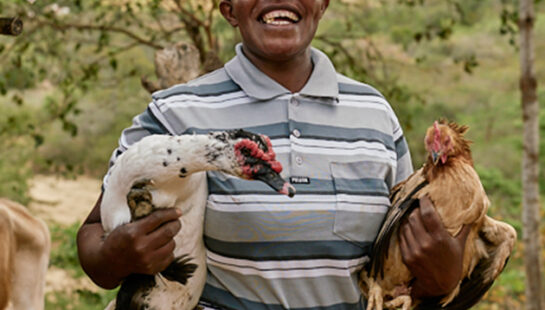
column 163, row 171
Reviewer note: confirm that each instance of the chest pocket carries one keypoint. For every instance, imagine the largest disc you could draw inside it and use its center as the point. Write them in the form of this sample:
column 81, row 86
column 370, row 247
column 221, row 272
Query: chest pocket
column 361, row 191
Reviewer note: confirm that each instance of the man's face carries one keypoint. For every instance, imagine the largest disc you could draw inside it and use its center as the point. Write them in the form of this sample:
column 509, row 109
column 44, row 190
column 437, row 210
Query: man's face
column 275, row 30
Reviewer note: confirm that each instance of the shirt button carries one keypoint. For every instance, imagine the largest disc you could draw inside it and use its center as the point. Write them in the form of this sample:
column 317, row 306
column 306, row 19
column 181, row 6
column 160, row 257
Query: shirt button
column 296, row 133
column 294, row 101
column 299, row 160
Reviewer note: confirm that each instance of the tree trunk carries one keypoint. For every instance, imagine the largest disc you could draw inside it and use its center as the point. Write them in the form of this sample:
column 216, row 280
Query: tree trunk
column 530, row 160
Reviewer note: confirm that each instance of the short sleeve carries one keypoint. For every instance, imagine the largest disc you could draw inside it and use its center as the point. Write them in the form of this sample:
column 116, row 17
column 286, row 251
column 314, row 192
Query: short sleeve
column 404, row 162
column 143, row 125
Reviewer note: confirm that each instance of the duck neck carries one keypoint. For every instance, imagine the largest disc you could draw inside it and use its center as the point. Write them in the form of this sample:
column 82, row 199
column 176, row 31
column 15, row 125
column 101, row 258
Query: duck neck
column 200, row 153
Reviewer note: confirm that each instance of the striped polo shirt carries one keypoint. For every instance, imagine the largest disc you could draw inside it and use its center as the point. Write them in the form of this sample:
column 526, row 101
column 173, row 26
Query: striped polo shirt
column 340, row 145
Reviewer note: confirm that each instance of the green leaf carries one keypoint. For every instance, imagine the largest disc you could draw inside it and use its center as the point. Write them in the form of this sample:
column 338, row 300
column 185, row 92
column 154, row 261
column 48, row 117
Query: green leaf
column 18, row 100
column 113, row 63
column 70, row 127
column 38, row 139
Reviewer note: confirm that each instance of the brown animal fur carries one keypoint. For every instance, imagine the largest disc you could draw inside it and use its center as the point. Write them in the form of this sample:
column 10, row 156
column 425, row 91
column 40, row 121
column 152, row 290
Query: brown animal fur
column 6, row 257
column 24, row 256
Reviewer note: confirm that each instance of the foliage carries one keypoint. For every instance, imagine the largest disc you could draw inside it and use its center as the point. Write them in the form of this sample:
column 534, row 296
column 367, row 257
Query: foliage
column 79, row 300
column 69, row 50
column 71, row 82
column 64, row 253
column 77, row 47
column 16, row 132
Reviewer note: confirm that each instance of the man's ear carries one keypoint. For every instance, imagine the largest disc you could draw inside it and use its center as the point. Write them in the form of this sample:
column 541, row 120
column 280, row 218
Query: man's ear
column 226, row 9
column 325, row 5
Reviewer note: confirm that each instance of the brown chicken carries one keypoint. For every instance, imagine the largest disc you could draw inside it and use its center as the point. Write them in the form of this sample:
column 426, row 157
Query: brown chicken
column 450, row 181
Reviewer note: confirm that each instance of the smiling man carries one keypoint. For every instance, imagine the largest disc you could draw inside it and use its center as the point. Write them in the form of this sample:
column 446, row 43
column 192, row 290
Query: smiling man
column 341, row 146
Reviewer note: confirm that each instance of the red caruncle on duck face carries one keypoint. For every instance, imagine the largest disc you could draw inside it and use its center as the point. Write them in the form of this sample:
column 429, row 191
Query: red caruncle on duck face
column 247, row 152
column 274, row 29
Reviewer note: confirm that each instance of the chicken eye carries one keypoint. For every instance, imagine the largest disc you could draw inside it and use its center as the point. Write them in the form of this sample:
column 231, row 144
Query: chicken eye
column 447, row 142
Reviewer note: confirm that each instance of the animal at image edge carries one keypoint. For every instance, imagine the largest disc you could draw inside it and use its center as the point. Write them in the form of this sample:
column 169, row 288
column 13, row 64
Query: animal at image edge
column 450, row 181
column 163, row 171
column 24, row 255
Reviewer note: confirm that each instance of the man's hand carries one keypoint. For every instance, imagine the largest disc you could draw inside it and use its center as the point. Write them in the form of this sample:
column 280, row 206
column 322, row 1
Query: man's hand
column 432, row 255
column 144, row 246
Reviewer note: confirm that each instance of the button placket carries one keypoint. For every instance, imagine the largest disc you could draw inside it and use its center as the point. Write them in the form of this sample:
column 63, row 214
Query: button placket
column 295, row 133
column 294, row 101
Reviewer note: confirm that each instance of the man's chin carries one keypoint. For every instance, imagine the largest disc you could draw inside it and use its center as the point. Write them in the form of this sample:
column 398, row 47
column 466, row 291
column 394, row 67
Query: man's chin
column 282, row 49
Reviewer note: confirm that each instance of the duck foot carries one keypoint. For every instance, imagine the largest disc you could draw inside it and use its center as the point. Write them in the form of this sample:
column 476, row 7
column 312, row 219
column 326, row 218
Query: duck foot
column 139, row 200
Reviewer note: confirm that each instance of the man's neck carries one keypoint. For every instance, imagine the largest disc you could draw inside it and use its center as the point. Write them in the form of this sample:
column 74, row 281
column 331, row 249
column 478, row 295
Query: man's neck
column 293, row 74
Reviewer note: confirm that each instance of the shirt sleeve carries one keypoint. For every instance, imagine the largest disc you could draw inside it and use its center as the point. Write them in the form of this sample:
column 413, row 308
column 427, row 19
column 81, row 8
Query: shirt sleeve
column 404, row 162
column 143, row 125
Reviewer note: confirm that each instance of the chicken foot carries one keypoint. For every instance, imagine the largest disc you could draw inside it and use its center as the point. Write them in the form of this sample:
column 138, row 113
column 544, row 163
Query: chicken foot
column 375, row 298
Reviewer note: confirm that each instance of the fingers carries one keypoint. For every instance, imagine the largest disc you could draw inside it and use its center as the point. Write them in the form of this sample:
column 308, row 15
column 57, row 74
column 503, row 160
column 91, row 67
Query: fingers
column 416, row 224
column 165, row 256
column 158, row 260
column 410, row 238
column 151, row 222
column 164, row 233
column 148, row 257
column 430, row 219
column 404, row 246
column 414, row 240
column 145, row 246
column 462, row 235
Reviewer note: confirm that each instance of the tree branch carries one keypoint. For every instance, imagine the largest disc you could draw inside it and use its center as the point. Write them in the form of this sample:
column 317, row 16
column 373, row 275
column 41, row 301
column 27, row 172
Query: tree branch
column 211, row 40
column 11, row 26
column 185, row 12
column 65, row 26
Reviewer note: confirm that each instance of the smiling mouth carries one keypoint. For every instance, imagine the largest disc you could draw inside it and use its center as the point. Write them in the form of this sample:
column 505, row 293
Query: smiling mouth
column 279, row 18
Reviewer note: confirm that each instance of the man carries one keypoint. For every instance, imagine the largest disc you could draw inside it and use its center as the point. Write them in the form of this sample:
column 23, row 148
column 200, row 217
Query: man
column 341, row 146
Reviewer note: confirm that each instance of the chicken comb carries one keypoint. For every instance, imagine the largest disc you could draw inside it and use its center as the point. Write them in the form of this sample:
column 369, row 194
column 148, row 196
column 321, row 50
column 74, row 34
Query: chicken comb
column 460, row 129
column 436, row 136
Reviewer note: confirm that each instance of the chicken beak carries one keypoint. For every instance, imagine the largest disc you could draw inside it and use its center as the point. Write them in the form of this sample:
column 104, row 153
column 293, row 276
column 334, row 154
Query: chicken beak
column 275, row 181
column 435, row 157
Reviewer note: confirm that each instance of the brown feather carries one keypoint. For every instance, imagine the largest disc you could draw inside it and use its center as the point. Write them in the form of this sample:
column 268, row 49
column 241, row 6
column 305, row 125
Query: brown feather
column 459, row 198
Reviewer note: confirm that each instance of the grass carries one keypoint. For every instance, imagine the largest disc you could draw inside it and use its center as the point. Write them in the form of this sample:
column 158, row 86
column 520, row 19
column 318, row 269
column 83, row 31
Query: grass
column 64, row 256
column 64, row 252
column 79, row 300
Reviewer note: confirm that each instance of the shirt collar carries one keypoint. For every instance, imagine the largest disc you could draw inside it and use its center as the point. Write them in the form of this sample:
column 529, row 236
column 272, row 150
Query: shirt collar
column 322, row 82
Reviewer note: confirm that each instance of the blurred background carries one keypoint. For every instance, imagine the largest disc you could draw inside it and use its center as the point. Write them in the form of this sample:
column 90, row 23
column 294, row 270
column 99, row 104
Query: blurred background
column 82, row 69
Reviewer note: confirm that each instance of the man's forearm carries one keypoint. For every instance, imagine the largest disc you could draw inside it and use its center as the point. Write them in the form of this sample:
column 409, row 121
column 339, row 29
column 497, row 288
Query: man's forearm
column 91, row 258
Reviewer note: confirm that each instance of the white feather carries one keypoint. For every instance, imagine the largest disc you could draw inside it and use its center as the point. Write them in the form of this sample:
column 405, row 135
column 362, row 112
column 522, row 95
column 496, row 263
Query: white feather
column 159, row 158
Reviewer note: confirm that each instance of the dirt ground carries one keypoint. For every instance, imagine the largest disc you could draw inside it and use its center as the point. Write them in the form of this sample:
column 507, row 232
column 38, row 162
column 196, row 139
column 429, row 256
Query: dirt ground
column 63, row 202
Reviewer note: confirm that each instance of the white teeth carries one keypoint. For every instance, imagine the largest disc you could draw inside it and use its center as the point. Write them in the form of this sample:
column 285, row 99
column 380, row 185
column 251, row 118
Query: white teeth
column 271, row 17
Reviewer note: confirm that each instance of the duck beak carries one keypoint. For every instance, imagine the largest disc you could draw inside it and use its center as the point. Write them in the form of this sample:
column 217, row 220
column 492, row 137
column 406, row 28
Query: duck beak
column 275, row 181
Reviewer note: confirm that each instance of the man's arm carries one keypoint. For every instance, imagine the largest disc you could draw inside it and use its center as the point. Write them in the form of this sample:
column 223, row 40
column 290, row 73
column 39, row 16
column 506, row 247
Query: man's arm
column 145, row 246
column 427, row 249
